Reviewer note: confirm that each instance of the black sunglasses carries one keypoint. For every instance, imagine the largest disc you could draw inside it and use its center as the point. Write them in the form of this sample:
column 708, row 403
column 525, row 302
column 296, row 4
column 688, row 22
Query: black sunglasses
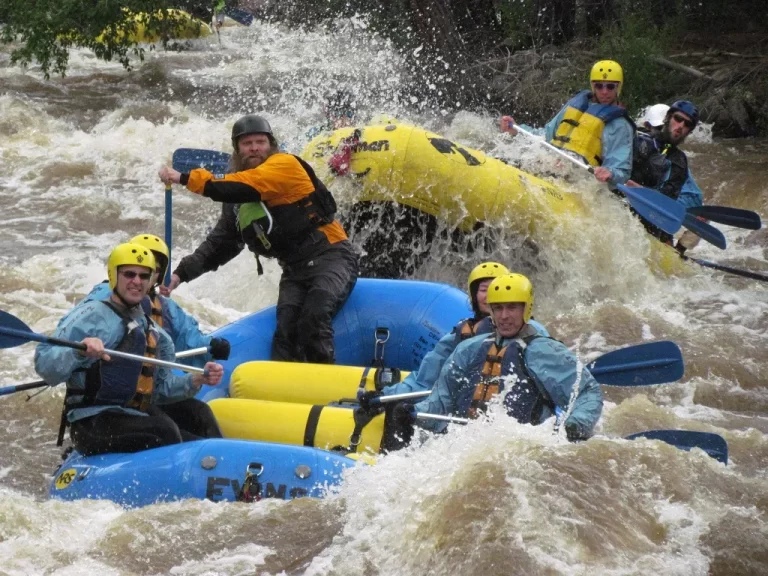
column 683, row 120
column 130, row 274
column 607, row 86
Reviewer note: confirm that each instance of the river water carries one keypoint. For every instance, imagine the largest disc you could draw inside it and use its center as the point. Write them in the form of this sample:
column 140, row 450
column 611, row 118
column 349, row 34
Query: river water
column 78, row 159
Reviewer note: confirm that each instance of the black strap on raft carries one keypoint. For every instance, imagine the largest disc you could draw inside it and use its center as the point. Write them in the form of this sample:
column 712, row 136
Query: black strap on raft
column 381, row 336
column 311, row 428
column 250, row 491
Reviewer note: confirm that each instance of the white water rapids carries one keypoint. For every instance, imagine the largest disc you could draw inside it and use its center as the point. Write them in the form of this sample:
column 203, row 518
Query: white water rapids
column 78, row 163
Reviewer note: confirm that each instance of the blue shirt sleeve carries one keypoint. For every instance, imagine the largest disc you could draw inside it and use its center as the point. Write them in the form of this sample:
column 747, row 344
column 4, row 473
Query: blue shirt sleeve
column 690, row 193
column 556, row 370
column 168, row 386
column 429, row 370
column 617, row 140
column 186, row 333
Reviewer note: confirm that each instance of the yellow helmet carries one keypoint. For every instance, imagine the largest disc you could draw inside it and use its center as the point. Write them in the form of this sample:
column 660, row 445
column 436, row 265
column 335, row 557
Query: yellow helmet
column 484, row 271
column 607, row 71
column 512, row 288
column 128, row 255
column 159, row 249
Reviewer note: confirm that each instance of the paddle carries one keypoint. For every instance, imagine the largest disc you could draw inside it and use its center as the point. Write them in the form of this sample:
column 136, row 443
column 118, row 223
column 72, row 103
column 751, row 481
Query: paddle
column 727, row 269
column 653, row 206
column 713, row 444
column 705, row 231
column 187, row 159
column 14, row 332
column 735, row 217
column 5, row 390
column 640, row 365
column 168, row 230
column 239, row 15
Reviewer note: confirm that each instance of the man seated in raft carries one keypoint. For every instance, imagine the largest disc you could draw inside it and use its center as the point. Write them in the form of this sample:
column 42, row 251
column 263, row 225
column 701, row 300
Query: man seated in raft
column 480, row 323
column 112, row 405
column 180, row 326
column 535, row 374
column 659, row 163
column 593, row 125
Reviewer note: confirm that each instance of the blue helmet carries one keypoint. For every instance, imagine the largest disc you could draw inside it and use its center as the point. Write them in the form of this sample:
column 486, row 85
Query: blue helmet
column 686, row 107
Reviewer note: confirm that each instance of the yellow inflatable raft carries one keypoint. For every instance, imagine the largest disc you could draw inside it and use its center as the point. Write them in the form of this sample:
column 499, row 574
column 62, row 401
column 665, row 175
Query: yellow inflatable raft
column 185, row 27
column 327, row 427
column 458, row 185
column 306, row 383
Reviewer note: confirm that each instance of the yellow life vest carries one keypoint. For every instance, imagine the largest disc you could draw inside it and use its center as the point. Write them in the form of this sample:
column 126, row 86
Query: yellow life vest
column 581, row 129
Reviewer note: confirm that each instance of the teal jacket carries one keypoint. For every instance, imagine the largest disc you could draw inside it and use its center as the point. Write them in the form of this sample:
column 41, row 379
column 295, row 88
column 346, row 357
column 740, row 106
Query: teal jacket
column 180, row 326
column 425, row 377
column 552, row 366
column 57, row 364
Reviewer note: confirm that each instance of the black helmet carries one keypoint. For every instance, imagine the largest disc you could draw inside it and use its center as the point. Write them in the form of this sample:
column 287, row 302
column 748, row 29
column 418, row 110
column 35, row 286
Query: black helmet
column 251, row 124
column 686, row 107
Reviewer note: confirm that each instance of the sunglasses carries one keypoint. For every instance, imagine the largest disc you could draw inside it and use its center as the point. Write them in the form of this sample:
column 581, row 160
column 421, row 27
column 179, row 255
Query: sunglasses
column 683, row 120
column 607, row 86
column 130, row 274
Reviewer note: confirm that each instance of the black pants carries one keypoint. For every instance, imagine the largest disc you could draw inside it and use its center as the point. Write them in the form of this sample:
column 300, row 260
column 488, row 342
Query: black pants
column 112, row 431
column 311, row 293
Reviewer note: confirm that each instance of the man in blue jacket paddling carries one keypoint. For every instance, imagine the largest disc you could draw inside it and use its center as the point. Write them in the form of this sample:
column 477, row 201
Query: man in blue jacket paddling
column 593, row 125
column 180, row 326
column 535, row 375
column 111, row 405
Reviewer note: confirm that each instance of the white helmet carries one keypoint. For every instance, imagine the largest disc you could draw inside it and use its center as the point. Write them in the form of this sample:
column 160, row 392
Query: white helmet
column 654, row 116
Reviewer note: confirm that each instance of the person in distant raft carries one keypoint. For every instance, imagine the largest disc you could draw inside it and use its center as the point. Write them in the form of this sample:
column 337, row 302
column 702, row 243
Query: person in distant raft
column 535, row 374
column 180, row 326
column 112, row 405
column 659, row 163
column 275, row 204
column 593, row 125
column 480, row 323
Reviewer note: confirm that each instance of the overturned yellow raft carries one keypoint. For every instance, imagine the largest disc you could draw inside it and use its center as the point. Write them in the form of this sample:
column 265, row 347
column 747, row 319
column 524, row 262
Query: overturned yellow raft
column 303, row 383
column 459, row 185
column 185, row 27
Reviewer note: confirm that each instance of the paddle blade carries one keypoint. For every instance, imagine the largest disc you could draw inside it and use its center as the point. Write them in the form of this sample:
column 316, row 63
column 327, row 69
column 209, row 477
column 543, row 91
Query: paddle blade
column 239, row 15
column 735, row 217
column 13, row 332
column 706, row 231
column 641, row 365
column 713, row 444
column 661, row 211
column 187, row 159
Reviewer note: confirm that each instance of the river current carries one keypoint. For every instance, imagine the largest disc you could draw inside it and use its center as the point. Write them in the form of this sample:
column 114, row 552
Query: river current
column 78, row 163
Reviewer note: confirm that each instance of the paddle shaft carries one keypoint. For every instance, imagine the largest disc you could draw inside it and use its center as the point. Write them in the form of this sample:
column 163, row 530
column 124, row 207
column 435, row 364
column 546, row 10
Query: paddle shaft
column 728, row 269
column 193, row 352
column 555, row 149
column 22, row 334
column 168, row 229
column 5, row 390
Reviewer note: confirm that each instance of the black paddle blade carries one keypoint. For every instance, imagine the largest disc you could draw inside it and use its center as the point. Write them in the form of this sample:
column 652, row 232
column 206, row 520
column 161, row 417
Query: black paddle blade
column 640, row 365
column 736, row 217
column 707, row 232
column 11, row 324
column 713, row 444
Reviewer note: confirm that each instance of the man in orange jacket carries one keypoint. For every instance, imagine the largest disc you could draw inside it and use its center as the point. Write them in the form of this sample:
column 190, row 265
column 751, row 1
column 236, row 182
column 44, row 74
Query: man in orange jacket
column 274, row 203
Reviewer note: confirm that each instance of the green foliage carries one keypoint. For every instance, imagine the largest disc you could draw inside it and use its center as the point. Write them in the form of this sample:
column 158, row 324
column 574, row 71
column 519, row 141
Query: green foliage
column 45, row 30
column 635, row 42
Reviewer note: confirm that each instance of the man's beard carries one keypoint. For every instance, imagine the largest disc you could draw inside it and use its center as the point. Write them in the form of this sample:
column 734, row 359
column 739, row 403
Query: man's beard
column 669, row 138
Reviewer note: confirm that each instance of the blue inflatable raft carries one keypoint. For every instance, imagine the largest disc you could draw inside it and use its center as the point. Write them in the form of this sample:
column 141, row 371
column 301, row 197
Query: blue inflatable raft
column 399, row 320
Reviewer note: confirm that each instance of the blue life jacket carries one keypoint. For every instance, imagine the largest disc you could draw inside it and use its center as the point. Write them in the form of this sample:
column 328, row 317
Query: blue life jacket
column 471, row 327
column 495, row 370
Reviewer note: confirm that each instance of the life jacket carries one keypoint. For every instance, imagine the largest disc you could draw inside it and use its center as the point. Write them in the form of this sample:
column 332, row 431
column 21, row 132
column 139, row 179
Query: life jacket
column 652, row 160
column 581, row 129
column 471, row 327
column 154, row 308
column 119, row 382
column 292, row 231
column 495, row 369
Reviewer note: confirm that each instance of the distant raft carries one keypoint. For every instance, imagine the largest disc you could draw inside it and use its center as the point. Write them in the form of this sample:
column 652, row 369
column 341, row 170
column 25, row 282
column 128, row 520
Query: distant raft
column 184, row 27
column 394, row 162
